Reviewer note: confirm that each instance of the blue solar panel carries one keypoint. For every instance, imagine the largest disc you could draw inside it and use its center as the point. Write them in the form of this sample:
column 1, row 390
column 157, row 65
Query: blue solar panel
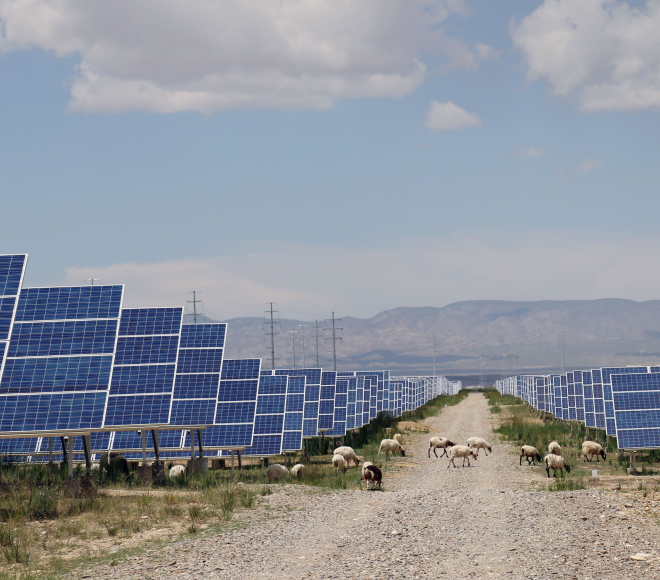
column 12, row 268
column 352, row 403
column 147, row 362
column 236, row 405
column 269, row 418
column 312, row 397
column 57, row 371
column 341, row 408
column 636, row 402
column 292, row 435
column 196, row 389
column 606, row 373
column 327, row 400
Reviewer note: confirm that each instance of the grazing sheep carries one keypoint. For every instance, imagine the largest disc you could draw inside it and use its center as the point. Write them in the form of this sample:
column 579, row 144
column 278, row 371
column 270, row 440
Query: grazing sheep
column 591, row 448
column 372, row 474
column 460, row 451
column 391, row 446
column 529, row 452
column 298, row 470
column 398, row 437
column 479, row 443
column 365, row 465
column 555, row 462
column 114, row 463
column 339, row 462
column 442, row 442
column 348, row 454
column 275, row 472
column 177, row 471
column 554, row 448
column 361, row 458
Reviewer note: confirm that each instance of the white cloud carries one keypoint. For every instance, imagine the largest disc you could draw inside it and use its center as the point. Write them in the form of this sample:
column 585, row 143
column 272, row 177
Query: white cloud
column 180, row 55
column 308, row 281
column 589, row 165
column 448, row 117
column 485, row 52
column 604, row 52
column 528, row 152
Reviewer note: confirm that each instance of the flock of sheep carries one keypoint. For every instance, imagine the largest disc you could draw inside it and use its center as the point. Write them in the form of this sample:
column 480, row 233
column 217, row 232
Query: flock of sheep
column 452, row 451
column 555, row 460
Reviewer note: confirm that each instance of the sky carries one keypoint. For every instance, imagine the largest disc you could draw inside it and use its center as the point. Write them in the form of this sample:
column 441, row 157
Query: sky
column 348, row 155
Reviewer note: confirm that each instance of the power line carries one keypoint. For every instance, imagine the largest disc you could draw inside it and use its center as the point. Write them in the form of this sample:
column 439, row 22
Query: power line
column 272, row 332
column 334, row 337
column 195, row 302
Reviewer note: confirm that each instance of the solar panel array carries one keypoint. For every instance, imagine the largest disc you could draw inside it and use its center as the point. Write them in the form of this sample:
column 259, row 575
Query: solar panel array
column 73, row 361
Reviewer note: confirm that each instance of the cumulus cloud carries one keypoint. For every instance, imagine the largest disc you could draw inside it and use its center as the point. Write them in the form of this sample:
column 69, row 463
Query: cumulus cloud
column 196, row 55
column 589, row 165
column 528, row 152
column 308, row 281
column 449, row 117
column 604, row 52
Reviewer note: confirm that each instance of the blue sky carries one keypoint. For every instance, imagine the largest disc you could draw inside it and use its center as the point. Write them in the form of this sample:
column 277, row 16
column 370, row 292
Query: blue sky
column 308, row 183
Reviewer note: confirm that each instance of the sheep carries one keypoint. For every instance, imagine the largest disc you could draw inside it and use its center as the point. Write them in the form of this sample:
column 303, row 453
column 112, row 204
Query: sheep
column 460, row 451
column 555, row 462
column 364, row 466
column 443, row 442
column 275, row 472
column 348, row 454
column 114, row 463
column 398, row 437
column 529, row 452
column 298, row 470
column 591, row 448
column 177, row 471
column 479, row 443
column 372, row 474
column 554, row 448
column 339, row 463
column 391, row 446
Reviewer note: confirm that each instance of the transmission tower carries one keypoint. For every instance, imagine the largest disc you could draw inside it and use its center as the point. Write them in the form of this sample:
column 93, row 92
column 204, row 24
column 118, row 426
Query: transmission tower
column 195, row 302
column 434, row 371
column 318, row 363
column 293, row 346
column 272, row 332
column 334, row 337
column 302, row 333
column 561, row 343
column 92, row 280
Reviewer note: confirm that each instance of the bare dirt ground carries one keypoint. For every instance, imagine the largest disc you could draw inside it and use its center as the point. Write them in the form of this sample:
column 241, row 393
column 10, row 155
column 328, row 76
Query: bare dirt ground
column 486, row 521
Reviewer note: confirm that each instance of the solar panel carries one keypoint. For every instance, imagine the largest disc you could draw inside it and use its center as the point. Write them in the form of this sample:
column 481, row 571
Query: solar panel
column 341, row 409
column 292, row 437
column 599, row 402
column 236, row 407
column 588, row 390
column 636, row 402
column 606, row 373
column 371, row 381
column 144, row 368
column 59, row 361
column 312, row 397
column 351, row 402
column 269, row 418
column 327, row 400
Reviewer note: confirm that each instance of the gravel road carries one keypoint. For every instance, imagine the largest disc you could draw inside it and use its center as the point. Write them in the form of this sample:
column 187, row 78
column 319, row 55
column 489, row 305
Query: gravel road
column 486, row 521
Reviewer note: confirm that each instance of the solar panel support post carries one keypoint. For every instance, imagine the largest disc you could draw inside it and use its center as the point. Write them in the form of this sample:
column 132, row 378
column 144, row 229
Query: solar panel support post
column 88, row 454
column 232, row 463
column 192, row 445
column 65, row 457
column 69, row 441
column 144, row 448
column 199, row 442
column 240, row 462
column 154, row 436
column 50, row 451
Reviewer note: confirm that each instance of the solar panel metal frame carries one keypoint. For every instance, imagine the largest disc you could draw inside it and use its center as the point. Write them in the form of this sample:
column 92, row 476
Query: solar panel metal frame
column 294, row 412
column 636, row 402
column 607, row 372
column 272, row 390
column 327, row 401
column 312, row 397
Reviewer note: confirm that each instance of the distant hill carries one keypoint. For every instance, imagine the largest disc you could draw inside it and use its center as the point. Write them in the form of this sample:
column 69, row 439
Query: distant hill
column 495, row 335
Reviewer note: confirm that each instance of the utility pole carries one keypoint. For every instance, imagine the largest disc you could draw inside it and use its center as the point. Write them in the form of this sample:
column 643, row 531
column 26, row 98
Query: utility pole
column 293, row 346
column 302, row 331
column 194, row 302
column 272, row 332
column 92, row 280
column 318, row 363
column 434, row 371
column 562, row 350
column 334, row 337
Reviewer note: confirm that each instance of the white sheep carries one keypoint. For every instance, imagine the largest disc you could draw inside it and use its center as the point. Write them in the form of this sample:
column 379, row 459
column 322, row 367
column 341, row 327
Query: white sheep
column 591, row 448
column 529, row 452
column 275, row 472
column 391, row 446
column 348, row 454
column 460, row 451
column 479, row 443
column 442, row 442
column 339, row 463
column 177, row 471
column 298, row 470
column 398, row 437
column 555, row 462
column 554, row 448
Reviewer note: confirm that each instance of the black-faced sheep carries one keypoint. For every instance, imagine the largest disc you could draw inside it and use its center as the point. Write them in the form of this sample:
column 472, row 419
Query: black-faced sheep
column 391, row 446
column 115, row 463
column 442, row 442
column 530, row 453
column 591, row 448
column 554, row 448
column 555, row 462
column 460, row 451
column 479, row 443
column 372, row 474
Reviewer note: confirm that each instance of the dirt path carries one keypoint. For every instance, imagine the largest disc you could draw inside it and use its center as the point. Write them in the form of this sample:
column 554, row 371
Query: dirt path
column 480, row 522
